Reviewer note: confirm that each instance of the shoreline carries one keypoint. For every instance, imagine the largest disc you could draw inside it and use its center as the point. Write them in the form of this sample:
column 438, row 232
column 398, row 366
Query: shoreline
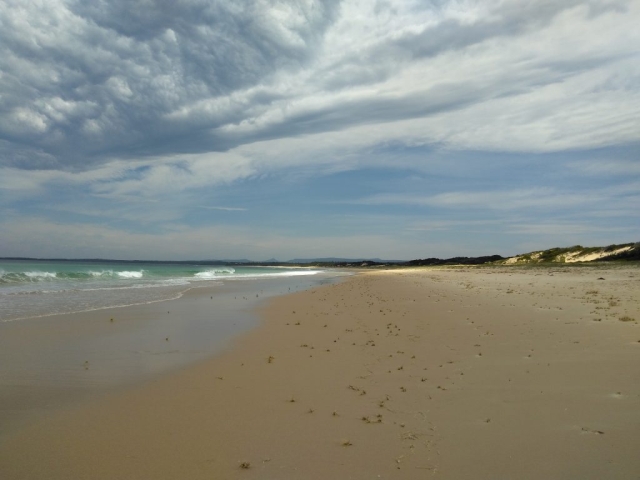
column 456, row 373
column 58, row 361
column 179, row 295
column 30, row 290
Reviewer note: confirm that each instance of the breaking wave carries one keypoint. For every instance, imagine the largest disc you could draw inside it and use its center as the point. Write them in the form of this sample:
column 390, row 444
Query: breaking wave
column 215, row 273
column 40, row 276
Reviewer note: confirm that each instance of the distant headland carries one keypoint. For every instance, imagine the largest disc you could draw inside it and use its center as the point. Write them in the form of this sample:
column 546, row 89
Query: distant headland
column 556, row 255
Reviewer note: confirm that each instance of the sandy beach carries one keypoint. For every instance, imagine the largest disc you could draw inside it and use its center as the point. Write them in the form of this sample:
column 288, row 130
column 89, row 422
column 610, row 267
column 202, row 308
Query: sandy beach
column 452, row 373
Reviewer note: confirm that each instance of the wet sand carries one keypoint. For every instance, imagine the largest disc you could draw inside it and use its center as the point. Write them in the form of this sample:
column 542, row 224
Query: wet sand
column 485, row 373
column 57, row 361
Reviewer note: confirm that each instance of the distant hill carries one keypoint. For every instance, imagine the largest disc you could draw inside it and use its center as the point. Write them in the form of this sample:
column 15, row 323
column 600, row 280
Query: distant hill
column 576, row 254
column 456, row 260
column 341, row 260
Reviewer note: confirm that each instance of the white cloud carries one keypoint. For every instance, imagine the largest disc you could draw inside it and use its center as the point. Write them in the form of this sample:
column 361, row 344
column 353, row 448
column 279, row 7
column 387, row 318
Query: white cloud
column 447, row 225
column 179, row 242
column 608, row 167
column 24, row 118
column 565, row 229
column 496, row 200
column 224, row 209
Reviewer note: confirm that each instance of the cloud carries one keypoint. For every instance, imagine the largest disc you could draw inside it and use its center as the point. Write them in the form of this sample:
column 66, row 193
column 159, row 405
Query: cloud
column 496, row 200
column 146, row 116
column 539, row 197
column 565, row 229
column 608, row 167
column 86, row 80
column 179, row 242
column 447, row 225
column 87, row 83
column 224, row 209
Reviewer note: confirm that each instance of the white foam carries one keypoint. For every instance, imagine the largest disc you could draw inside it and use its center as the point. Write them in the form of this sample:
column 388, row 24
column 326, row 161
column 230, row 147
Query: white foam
column 215, row 273
column 130, row 274
column 297, row 273
column 95, row 309
column 101, row 273
column 40, row 274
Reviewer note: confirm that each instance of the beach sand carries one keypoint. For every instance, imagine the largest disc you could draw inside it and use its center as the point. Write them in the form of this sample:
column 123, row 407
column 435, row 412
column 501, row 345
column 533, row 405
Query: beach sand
column 456, row 373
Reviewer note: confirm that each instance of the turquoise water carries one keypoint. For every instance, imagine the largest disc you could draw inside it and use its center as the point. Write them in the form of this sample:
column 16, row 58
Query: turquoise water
column 39, row 288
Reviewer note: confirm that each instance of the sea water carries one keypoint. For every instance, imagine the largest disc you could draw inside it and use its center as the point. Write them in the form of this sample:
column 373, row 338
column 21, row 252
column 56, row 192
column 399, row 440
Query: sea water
column 31, row 288
column 48, row 361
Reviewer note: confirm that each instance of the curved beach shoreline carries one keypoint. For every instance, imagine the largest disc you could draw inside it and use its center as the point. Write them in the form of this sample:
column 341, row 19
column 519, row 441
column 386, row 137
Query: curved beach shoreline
column 422, row 373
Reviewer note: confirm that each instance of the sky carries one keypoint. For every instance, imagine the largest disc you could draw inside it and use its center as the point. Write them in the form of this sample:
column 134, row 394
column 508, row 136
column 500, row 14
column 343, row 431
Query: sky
column 258, row 129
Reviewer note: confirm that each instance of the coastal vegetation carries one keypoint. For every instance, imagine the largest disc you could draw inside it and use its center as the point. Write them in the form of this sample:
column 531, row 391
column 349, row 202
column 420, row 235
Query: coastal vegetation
column 578, row 253
column 574, row 254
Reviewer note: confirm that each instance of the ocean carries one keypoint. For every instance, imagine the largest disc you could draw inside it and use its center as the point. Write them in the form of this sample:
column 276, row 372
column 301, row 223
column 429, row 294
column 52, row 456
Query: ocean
column 175, row 315
column 31, row 288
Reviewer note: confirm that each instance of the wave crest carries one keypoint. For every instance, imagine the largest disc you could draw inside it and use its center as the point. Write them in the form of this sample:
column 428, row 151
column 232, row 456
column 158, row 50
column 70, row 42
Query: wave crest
column 130, row 274
column 215, row 273
column 37, row 276
column 26, row 277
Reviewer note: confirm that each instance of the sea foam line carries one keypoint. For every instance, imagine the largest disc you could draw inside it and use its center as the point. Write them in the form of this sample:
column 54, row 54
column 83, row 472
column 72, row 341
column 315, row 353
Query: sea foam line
column 179, row 295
